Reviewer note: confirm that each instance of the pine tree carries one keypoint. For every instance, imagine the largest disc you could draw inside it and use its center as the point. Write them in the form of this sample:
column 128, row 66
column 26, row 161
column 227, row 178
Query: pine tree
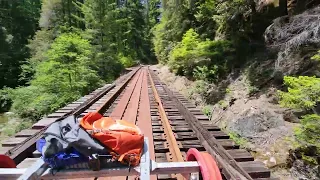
column 18, row 21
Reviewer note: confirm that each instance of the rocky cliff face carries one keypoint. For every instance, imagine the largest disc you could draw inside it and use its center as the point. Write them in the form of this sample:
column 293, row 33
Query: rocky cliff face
column 295, row 39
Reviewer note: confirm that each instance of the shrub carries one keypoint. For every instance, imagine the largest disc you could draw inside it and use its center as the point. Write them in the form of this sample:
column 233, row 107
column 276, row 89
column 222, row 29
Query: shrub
column 108, row 66
column 223, row 104
column 316, row 57
column 64, row 77
column 200, row 87
column 5, row 100
column 309, row 132
column 308, row 136
column 303, row 92
column 205, row 73
column 126, row 61
column 12, row 128
column 252, row 89
column 207, row 110
column 68, row 70
column 32, row 102
column 242, row 142
column 201, row 59
column 228, row 91
column 183, row 56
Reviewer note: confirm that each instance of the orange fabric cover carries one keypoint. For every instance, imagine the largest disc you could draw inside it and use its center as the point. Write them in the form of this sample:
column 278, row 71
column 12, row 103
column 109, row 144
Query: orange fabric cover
column 120, row 136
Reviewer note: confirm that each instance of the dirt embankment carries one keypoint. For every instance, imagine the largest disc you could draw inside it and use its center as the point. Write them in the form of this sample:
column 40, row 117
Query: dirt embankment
column 257, row 122
column 246, row 105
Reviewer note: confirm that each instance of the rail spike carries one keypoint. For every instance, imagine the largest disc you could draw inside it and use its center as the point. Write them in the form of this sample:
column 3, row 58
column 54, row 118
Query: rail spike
column 180, row 140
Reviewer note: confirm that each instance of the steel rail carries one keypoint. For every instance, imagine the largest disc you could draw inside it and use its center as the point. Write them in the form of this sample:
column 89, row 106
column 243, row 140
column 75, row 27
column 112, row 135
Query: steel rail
column 121, row 107
column 230, row 167
column 173, row 145
column 28, row 145
column 114, row 96
column 144, row 121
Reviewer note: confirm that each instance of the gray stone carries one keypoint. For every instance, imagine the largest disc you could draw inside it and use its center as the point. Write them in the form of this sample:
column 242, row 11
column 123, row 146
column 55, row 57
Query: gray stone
column 254, row 121
column 305, row 171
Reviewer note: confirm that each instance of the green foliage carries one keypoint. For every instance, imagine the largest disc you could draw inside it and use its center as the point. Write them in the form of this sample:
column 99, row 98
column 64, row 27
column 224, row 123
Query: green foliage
column 9, row 131
column 59, row 15
column 15, row 125
column 18, row 22
column 80, row 45
column 118, row 29
column 207, row 110
column 126, row 61
column 64, row 77
column 309, row 159
column 316, row 57
column 174, row 23
column 308, row 136
column 38, row 46
column 107, row 66
column 182, row 57
column 162, row 44
column 33, row 102
column 252, row 89
column 310, row 130
column 220, row 35
column 242, row 142
column 228, row 90
column 5, row 100
column 204, row 60
column 204, row 73
column 68, row 67
column 206, row 10
column 223, row 104
column 236, row 9
column 200, row 87
column 303, row 92
column 153, row 12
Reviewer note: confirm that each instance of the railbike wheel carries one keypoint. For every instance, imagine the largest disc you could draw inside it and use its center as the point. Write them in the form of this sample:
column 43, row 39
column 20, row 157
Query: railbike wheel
column 208, row 166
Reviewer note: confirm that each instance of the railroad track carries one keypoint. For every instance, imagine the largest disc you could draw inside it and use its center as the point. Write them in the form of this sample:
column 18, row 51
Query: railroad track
column 171, row 123
column 21, row 148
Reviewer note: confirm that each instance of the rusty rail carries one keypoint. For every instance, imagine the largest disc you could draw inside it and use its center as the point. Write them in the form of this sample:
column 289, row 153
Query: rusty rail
column 110, row 100
column 18, row 152
column 171, row 123
column 173, row 145
column 231, row 169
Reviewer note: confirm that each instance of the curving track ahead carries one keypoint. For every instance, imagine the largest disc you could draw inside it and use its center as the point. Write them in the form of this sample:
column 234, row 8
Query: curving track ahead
column 171, row 123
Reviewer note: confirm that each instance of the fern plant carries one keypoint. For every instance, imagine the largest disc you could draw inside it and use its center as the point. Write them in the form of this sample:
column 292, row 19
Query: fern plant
column 304, row 94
